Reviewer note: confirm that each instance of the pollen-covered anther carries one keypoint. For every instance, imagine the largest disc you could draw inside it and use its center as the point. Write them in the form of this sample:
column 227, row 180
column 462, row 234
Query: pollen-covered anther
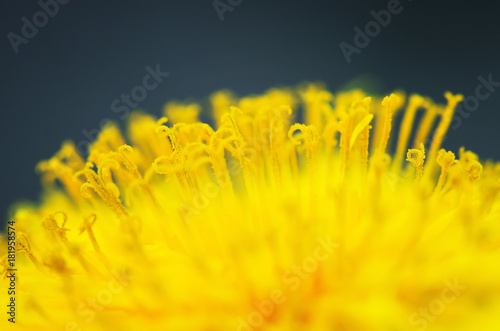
column 23, row 245
column 4, row 263
column 416, row 157
column 228, row 124
column 162, row 165
column 88, row 223
column 390, row 104
column 470, row 164
column 308, row 137
column 279, row 118
column 123, row 156
column 445, row 160
column 50, row 223
column 474, row 170
column 102, row 183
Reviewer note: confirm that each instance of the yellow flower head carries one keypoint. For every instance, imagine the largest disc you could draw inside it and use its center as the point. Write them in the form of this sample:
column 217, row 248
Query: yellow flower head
column 257, row 223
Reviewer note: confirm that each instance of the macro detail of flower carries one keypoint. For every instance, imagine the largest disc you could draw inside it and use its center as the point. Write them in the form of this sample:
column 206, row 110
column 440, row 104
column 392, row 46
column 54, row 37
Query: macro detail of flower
column 258, row 222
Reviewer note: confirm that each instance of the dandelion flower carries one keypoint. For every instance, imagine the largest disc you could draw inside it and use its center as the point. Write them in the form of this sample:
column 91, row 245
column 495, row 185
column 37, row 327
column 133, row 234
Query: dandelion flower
column 255, row 222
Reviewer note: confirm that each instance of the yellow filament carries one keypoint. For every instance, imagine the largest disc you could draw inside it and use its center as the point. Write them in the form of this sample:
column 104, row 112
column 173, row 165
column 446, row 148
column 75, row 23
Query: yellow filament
column 228, row 121
column 23, row 244
column 389, row 105
column 309, row 136
column 277, row 136
column 417, row 157
column 87, row 224
column 360, row 127
column 442, row 128
column 317, row 104
column 356, row 129
column 50, row 223
column 62, row 166
column 415, row 102
column 101, row 183
column 445, row 160
column 426, row 123
column 221, row 102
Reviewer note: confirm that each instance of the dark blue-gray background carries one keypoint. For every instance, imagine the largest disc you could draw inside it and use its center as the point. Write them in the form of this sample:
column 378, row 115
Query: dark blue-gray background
column 65, row 78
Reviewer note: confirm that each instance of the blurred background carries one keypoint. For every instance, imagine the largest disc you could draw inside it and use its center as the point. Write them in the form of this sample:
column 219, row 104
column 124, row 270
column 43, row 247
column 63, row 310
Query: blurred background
column 59, row 80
